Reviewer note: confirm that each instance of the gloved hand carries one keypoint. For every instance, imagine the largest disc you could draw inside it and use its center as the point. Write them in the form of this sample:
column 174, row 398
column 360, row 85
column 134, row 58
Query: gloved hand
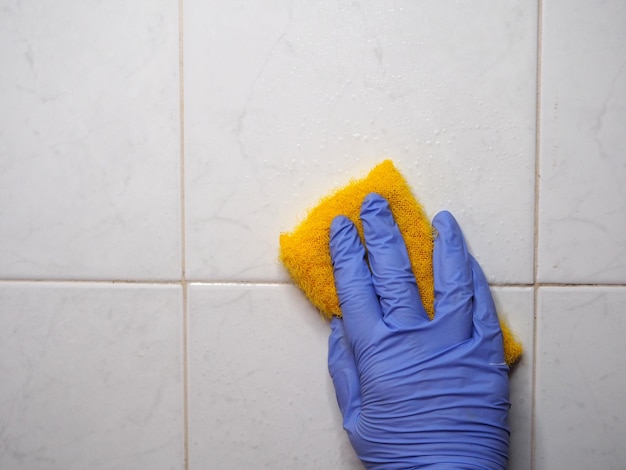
column 416, row 393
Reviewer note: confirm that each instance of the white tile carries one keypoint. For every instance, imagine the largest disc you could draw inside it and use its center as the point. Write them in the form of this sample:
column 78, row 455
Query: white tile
column 260, row 395
column 286, row 101
column 580, row 416
column 89, row 140
column 516, row 306
column 582, row 208
column 259, row 390
column 91, row 377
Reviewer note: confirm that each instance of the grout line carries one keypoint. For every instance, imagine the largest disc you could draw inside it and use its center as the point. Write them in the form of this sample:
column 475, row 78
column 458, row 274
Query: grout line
column 574, row 285
column 242, row 283
column 182, row 144
column 184, row 282
column 536, row 285
column 537, row 148
column 513, row 284
column 120, row 282
column 183, row 240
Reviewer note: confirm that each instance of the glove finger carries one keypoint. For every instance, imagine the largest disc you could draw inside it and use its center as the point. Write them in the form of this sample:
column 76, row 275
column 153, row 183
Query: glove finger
column 392, row 274
column 454, row 287
column 486, row 324
column 342, row 368
column 353, row 280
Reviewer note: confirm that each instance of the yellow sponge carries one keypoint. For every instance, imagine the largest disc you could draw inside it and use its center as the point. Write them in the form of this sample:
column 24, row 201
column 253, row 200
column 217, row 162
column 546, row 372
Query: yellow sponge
column 306, row 255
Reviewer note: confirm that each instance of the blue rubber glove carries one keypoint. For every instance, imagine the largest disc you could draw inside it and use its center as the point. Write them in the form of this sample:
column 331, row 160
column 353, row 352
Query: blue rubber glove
column 416, row 393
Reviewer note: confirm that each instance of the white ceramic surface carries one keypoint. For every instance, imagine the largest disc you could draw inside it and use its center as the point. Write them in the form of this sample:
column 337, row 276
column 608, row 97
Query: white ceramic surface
column 581, row 356
column 285, row 103
column 582, row 204
column 89, row 140
column 259, row 391
column 91, row 377
column 282, row 102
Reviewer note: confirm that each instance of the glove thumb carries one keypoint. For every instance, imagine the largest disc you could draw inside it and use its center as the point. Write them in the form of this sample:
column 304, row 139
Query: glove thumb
column 342, row 368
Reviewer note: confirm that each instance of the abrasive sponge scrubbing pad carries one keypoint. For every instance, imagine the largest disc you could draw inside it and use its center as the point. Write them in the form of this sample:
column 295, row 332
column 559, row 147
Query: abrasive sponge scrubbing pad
column 305, row 251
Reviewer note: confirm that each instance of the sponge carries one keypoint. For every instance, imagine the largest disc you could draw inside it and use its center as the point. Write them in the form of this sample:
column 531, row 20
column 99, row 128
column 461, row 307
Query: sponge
column 305, row 251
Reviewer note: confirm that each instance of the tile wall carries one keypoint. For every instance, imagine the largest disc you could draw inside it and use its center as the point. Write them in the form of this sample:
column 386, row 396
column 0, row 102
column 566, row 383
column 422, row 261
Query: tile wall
column 152, row 151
